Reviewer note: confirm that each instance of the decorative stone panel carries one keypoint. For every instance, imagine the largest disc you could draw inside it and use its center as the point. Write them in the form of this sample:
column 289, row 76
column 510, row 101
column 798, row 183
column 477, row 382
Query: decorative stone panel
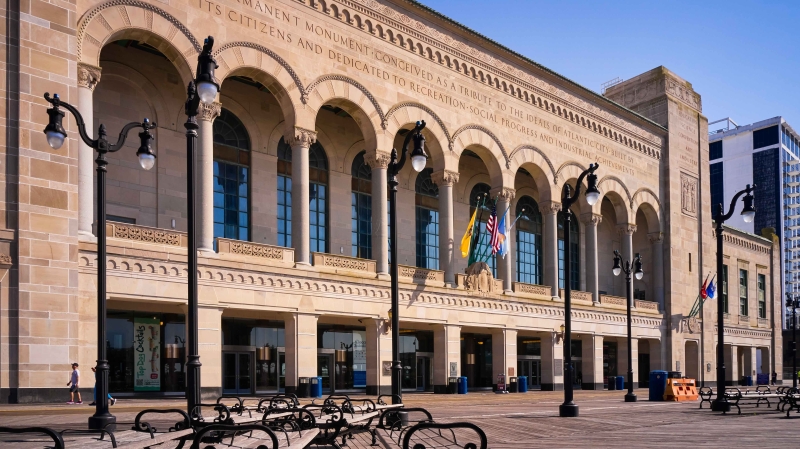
column 145, row 234
column 647, row 305
column 763, row 322
column 337, row 262
column 612, row 300
column 421, row 275
column 531, row 290
column 279, row 254
column 577, row 295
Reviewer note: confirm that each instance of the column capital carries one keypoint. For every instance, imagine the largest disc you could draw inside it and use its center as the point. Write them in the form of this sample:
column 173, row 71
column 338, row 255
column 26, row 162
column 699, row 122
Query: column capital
column 209, row 112
column 656, row 237
column 591, row 219
column 301, row 137
column 378, row 159
column 444, row 178
column 503, row 193
column 88, row 75
column 549, row 207
column 627, row 228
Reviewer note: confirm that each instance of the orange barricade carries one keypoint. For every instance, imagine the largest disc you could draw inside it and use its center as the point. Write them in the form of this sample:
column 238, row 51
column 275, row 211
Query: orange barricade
column 680, row 390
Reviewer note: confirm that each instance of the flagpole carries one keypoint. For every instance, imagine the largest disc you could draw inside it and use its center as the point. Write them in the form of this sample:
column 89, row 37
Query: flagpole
column 486, row 251
column 476, row 235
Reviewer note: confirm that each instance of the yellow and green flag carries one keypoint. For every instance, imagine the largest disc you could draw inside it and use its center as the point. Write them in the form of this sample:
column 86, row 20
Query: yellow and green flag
column 467, row 239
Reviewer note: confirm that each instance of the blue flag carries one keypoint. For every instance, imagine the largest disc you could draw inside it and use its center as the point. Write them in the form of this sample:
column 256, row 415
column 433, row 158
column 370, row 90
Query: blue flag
column 502, row 237
column 710, row 290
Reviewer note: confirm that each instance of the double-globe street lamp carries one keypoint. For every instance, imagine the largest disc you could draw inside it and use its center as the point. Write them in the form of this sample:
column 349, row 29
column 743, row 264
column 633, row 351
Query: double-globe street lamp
column 629, row 267
column 793, row 303
column 569, row 408
column 721, row 404
column 418, row 161
column 55, row 133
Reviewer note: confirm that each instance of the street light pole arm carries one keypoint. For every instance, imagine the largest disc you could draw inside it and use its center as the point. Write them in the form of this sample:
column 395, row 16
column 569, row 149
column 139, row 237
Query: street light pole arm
column 397, row 165
column 569, row 200
column 123, row 135
column 720, row 218
column 56, row 102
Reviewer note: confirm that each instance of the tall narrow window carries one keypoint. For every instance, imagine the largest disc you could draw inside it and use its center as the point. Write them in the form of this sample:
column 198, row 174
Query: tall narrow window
column 318, row 196
column 481, row 218
column 574, row 253
column 743, row 292
column 427, row 221
column 762, row 296
column 529, row 241
column 361, row 208
column 231, row 178
column 724, row 288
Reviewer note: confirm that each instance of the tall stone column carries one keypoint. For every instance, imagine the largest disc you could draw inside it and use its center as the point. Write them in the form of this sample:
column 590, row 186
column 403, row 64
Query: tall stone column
column 550, row 211
column 209, row 338
column 731, row 365
column 204, row 166
column 88, row 77
column 590, row 222
column 301, row 141
column 626, row 234
column 504, row 354
column 505, row 269
column 446, row 179
column 622, row 360
column 379, row 162
column 657, row 244
column 301, row 348
column 552, row 362
column 592, row 362
column 446, row 354
column 379, row 349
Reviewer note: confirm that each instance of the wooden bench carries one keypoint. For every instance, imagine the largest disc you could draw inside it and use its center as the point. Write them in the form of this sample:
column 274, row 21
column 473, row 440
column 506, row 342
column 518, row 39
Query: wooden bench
column 736, row 397
column 412, row 428
column 226, row 436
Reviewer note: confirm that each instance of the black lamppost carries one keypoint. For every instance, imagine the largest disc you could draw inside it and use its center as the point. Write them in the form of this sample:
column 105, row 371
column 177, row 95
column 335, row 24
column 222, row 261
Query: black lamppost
column 721, row 404
column 569, row 408
column 619, row 267
column 418, row 161
column 204, row 88
column 55, row 138
column 793, row 304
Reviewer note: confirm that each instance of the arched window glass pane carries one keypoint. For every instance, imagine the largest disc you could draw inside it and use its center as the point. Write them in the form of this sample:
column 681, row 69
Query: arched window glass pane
column 574, row 236
column 231, row 178
column 318, row 196
column 427, row 221
column 479, row 191
column 361, row 208
column 529, row 241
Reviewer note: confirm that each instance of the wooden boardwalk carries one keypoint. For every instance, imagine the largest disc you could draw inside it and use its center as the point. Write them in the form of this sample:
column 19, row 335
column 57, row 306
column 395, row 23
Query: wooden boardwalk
column 531, row 421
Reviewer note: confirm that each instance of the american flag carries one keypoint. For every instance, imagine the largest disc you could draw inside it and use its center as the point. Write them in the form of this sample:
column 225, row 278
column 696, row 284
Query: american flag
column 491, row 229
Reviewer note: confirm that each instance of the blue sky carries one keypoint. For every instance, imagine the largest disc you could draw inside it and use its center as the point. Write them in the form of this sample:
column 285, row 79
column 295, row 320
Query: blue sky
column 743, row 57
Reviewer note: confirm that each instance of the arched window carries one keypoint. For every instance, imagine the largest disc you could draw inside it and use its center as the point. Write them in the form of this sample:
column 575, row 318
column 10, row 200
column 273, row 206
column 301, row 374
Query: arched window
column 529, row 241
column 231, row 178
column 361, row 208
column 426, row 200
column 574, row 244
column 481, row 218
column 318, row 196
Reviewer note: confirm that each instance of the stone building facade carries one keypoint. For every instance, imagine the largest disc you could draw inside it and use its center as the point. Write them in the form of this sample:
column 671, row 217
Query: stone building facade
column 314, row 95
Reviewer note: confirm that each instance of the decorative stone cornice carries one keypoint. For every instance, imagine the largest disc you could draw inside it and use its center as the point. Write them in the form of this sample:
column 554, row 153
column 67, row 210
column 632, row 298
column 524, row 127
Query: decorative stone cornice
column 302, row 137
column 549, row 207
column 88, row 75
column 627, row 229
column 209, row 112
column 656, row 237
column 591, row 219
column 504, row 194
column 445, row 178
column 377, row 159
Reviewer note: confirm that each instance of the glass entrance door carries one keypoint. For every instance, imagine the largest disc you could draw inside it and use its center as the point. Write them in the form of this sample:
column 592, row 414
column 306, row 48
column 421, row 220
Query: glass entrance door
column 237, row 372
column 325, row 370
column 424, row 374
column 532, row 369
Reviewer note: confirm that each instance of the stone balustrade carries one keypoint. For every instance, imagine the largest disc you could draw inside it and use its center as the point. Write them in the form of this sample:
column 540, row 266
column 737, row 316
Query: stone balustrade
column 269, row 253
column 647, row 305
column 613, row 300
column 421, row 275
column 577, row 295
column 339, row 263
column 531, row 290
column 145, row 234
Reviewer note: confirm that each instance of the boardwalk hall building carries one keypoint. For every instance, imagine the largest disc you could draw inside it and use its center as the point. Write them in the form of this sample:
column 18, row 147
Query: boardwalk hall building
column 292, row 206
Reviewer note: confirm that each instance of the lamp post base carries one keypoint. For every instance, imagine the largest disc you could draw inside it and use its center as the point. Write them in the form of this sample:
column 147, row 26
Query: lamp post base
column 99, row 422
column 630, row 397
column 569, row 410
column 720, row 406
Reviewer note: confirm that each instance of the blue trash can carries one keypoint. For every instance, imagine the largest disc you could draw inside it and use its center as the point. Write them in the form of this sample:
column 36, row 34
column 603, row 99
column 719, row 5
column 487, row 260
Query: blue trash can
column 658, row 384
column 316, row 387
column 462, row 385
column 620, row 382
column 748, row 381
column 522, row 384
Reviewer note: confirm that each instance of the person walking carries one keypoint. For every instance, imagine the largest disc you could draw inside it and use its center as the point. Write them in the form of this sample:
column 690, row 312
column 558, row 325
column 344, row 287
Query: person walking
column 73, row 383
column 774, row 378
column 94, row 394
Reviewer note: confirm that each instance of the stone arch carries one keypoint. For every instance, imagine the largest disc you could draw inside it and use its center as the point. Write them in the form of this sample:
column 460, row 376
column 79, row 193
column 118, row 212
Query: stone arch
column 130, row 76
column 352, row 97
column 139, row 20
column 479, row 135
column 250, row 125
column 401, row 114
column 535, row 162
column 646, row 200
column 247, row 59
column 469, row 184
column 349, row 155
column 613, row 188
